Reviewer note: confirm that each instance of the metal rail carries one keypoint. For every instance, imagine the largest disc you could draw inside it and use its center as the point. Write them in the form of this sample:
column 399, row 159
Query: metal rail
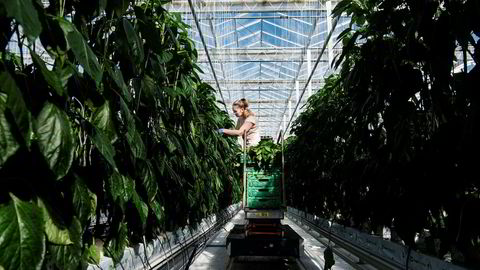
column 364, row 257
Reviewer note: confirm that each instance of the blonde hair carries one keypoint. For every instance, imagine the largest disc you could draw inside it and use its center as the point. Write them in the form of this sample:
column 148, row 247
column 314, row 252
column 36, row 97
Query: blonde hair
column 243, row 103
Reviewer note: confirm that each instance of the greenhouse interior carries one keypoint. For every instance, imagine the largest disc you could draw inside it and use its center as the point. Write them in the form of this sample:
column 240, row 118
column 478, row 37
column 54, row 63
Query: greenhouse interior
column 239, row 134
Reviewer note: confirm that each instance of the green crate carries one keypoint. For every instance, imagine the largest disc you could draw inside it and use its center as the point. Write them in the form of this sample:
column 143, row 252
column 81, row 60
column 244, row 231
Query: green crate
column 253, row 170
column 263, row 182
column 263, row 191
column 264, row 177
column 264, row 174
column 264, row 202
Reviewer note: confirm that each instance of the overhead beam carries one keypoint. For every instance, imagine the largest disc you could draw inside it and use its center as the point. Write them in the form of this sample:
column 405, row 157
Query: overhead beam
column 259, row 50
column 260, row 82
column 246, row 6
column 264, row 101
column 281, row 16
column 259, row 89
column 296, row 61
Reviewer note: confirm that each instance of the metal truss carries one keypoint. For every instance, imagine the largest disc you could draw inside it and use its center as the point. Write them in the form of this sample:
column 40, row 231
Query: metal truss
column 246, row 6
column 262, row 50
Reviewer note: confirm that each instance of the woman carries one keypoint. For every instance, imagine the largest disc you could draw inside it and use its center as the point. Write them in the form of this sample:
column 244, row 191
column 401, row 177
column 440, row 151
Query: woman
column 246, row 122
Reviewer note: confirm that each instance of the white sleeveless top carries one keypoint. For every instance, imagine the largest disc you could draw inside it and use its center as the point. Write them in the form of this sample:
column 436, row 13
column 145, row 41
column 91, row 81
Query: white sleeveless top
column 253, row 135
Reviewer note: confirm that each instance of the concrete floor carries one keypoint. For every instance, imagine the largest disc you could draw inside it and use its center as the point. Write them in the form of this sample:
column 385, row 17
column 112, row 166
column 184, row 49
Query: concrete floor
column 215, row 256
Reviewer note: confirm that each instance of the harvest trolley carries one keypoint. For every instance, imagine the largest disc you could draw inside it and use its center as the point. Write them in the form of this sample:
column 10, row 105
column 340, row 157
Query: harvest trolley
column 263, row 233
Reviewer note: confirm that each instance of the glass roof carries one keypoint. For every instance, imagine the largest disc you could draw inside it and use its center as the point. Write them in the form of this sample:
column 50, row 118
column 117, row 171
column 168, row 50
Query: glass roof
column 264, row 51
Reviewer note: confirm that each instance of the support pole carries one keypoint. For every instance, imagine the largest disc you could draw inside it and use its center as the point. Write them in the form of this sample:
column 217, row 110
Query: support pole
column 297, row 92
column 206, row 52
column 329, row 27
column 244, row 141
column 289, row 109
column 309, row 70
column 284, row 195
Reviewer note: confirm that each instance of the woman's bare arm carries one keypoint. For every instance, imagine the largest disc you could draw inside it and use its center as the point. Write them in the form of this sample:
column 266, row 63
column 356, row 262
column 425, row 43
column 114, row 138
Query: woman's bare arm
column 234, row 132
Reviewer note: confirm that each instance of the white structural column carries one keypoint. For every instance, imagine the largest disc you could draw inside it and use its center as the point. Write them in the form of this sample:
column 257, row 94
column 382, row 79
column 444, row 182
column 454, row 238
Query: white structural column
column 329, row 26
column 309, row 70
column 284, row 122
column 289, row 108
column 297, row 92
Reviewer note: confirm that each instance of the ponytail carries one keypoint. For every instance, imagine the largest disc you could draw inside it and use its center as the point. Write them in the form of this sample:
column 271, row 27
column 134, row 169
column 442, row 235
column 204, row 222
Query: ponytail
column 243, row 103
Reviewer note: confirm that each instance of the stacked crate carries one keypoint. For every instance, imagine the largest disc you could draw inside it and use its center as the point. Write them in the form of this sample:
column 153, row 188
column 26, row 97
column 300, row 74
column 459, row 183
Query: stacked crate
column 264, row 189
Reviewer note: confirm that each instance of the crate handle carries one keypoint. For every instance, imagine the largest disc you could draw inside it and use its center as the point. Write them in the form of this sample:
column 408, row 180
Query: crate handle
column 263, row 179
column 263, row 189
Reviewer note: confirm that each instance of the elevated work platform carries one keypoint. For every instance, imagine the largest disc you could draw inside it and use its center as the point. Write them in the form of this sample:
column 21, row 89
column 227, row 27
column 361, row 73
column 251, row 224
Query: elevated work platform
column 215, row 256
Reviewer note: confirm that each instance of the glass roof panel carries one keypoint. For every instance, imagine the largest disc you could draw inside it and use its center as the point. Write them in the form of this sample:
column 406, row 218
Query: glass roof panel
column 260, row 49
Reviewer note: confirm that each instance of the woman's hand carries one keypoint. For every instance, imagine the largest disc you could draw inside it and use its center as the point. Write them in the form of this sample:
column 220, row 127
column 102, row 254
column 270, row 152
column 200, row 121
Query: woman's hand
column 244, row 128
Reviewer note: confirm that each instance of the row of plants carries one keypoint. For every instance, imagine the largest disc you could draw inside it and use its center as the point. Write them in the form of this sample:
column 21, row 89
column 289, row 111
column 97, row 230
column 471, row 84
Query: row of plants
column 392, row 140
column 111, row 124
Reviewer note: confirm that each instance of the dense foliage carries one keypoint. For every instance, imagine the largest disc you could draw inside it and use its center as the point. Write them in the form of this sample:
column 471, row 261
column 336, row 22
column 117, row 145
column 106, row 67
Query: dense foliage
column 266, row 154
column 112, row 124
column 393, row 139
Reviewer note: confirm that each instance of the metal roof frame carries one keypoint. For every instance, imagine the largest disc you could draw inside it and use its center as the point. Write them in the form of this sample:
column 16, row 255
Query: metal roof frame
column 257, row 49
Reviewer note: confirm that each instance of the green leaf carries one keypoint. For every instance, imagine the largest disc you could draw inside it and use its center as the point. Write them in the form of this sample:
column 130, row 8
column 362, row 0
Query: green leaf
column 121, row 188
column 164, row 57
column 147, row 177
column 26, row 14
column 134, row 40
column 84, row 201
column 117, row 76
column 50, row 77
column 159, row 211
column 133, row 137
column 64, row 74
column 102, row 119
column 54, row 234
column 142, row 208
column 55, row 139
column 149, row 88
column 82, row 51
column 68, row 257
column 8, row 144
column 103, row 145
column 136, row 144
column 22, row 241
column 126, row 113
column 93, row 254
column 16, row 104
column 116, row 246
